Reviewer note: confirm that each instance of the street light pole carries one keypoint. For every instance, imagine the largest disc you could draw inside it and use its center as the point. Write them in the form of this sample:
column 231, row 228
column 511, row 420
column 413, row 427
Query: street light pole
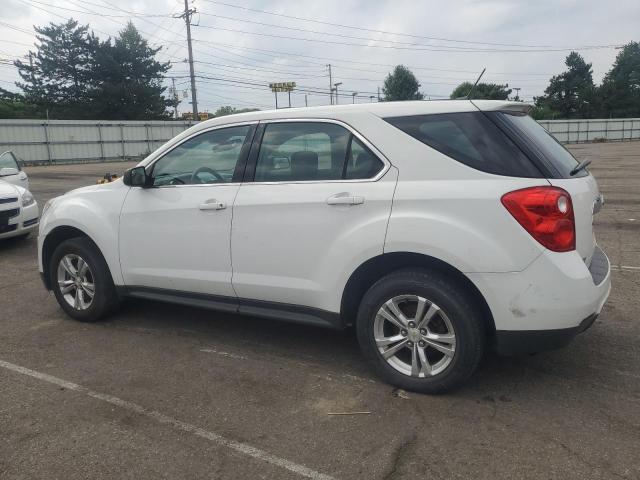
column 517, row 89
column 337, row 85
column 353, row 97
column 330, row 87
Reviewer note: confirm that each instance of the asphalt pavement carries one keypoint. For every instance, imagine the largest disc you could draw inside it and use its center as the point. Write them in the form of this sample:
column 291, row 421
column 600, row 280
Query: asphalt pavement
column 161, row 391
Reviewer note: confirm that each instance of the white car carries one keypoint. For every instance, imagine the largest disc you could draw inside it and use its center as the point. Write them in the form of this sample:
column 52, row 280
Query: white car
column 11, row 171
column 437, row 229
column 18, row 211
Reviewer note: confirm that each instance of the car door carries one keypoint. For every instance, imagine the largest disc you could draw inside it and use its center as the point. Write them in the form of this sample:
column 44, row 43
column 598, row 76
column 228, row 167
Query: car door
column 10, row 170
column 174, row 235
column 315, row 202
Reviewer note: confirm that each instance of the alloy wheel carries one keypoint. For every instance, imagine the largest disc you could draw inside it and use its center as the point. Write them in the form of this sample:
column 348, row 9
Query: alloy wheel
column 75, row 281
column 414, row 336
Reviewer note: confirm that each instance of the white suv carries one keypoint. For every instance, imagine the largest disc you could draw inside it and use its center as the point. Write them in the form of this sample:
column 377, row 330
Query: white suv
column 438, row 229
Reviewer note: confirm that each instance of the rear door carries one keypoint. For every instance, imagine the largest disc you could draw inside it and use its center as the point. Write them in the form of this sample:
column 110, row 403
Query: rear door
column 317, row 198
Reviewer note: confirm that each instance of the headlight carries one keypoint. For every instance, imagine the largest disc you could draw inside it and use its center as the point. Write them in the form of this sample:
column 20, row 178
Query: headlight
column 27, row 199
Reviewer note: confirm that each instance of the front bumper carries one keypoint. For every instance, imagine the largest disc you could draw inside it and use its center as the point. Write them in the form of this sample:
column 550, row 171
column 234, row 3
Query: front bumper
column 24, row 222
column 547, row 304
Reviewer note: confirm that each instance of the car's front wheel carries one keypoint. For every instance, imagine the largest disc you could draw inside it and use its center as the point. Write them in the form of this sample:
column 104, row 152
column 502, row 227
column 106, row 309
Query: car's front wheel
column 421, row 331
column 81, row 281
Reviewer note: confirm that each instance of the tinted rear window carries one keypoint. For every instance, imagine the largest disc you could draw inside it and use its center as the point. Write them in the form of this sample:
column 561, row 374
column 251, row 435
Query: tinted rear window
column 540, row 142
column 470, row 138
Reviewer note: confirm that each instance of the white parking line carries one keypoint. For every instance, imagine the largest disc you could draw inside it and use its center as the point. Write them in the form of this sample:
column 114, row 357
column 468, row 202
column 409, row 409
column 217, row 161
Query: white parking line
column 243, row 448
column 625, row 267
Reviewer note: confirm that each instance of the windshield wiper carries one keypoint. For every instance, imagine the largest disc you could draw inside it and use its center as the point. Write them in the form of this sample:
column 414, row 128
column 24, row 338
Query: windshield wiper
column 581, row 166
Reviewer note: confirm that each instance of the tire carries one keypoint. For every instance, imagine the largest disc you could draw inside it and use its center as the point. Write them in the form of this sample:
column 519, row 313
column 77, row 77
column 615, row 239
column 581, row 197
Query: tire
column 82, row 306
column 454, row 321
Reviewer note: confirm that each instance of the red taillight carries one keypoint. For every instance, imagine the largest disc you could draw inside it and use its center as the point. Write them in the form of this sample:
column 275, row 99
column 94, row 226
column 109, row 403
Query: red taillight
column 546, row 213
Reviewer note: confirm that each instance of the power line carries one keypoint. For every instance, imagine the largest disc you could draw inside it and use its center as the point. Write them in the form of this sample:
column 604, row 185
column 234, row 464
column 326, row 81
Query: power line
column 394, row 47
column 333, row 60
column 369, row 39
column 386, row 32
column 135, row 15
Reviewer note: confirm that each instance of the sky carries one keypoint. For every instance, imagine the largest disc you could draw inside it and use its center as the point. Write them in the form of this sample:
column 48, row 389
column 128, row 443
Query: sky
column 240, row 46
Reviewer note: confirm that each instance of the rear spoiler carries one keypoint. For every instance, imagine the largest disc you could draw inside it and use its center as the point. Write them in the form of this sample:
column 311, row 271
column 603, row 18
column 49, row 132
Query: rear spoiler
column 493, row 105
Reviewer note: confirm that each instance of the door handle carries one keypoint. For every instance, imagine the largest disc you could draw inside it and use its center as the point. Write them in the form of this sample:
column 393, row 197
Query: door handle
column 212, row 204
column 345, row 199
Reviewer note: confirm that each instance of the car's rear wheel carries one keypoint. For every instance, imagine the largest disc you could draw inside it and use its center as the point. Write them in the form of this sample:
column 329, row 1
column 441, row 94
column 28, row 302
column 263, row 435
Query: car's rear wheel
column 421, row 331
column 81, row 281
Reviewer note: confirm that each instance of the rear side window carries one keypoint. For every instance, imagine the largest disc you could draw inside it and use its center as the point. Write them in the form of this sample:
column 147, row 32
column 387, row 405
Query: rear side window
column 540, row 142
column 361, row 163
column 313, row 151
column 470, row 138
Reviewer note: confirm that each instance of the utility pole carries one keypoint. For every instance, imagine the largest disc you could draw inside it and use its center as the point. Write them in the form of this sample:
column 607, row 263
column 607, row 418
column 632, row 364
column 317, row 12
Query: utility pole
column 330, row 86
column 306, row 104
column 517, row 89
column 187, row 18
column 337, row 85
column 175, row 97
column 378, row 93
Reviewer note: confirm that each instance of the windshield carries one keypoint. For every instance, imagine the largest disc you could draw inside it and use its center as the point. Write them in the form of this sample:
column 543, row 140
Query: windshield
column 7, row 160
column 540, row 141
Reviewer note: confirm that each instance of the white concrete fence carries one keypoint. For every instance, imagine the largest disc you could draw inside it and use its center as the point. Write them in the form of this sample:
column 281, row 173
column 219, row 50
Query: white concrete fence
column 72, row 141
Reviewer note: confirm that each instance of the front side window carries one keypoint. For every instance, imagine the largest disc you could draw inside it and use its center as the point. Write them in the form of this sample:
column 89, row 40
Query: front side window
column 208, row 158
column 308, row 151
column 470, row 138
column 8, row 160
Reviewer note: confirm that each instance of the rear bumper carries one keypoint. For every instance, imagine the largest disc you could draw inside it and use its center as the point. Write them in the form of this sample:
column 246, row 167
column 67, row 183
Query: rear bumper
column 520, row 342
column 547, row 304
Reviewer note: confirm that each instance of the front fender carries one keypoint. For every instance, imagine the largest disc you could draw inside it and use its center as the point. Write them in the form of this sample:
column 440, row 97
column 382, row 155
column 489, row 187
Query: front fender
column 96, row 212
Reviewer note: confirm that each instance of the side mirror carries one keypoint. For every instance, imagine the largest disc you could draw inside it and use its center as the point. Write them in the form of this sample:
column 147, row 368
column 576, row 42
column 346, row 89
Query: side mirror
column 8, row 171
column 136, row 177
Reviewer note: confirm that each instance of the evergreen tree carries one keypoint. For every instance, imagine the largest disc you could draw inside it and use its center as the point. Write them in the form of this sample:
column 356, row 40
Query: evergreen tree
column 129, row 79
column 620, row 89
column 61, row 77
column 484, row 91
column 401, row 84
column 572, row 94
column 14, row 105
column 229, row 110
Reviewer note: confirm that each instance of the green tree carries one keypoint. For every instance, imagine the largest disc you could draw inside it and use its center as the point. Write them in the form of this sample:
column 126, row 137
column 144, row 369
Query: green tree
column 482, row 91
column 228, row 110
column 572, row 94
column 542, row 112
column 14, row 105
column 620, row 89
column 61, row 77
column 401, row 84
column 128, row 79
